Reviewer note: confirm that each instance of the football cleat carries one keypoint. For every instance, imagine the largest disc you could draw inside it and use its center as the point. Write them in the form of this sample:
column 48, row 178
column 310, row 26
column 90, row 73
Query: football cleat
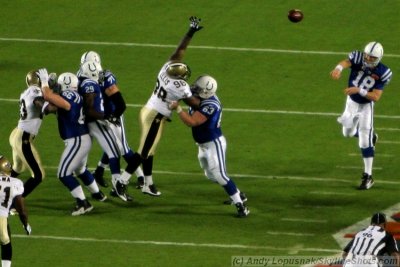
column 120, row 190
column 98, row 176
column 366, row 182
column 140, row 182
column 243, row 197
column 99, row 196
column 82, row 207
column 242, row 210
column 151, row 190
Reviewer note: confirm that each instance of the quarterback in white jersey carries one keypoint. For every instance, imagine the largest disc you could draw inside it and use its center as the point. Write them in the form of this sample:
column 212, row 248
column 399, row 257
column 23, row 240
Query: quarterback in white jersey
column 25, row 154
column 11, row 190
column 170, row 86
column 367, row 79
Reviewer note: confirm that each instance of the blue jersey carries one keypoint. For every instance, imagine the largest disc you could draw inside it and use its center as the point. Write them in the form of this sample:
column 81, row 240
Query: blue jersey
column 88, row 86
column 71, row 123
column 366, row 78
column 211, row 129
column 109, row 80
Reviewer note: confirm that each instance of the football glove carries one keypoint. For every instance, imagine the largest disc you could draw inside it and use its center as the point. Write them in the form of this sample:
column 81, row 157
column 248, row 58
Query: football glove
column 28, row 229
column 53, row 83
column 114, row 120
column 194, row 26
column 44, row 77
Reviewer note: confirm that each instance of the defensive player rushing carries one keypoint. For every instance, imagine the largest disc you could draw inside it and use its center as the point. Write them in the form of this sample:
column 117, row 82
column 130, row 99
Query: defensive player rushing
column 25, row 155
column 114, row 107
column 206, row 131
column 368, row 77
column 75, row 134
column 170, row 85
column 11, row 190
column 99, row 124
column 370, row 244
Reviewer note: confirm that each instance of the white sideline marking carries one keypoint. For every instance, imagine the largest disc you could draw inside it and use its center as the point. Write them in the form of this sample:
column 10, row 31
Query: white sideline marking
column 287, row 51
column 164, row 243
column 303, row 220
column 356, row 167
column 388, row 129
column 380, row 155
column 390, row 142
column 265, row 111
column 272, row 177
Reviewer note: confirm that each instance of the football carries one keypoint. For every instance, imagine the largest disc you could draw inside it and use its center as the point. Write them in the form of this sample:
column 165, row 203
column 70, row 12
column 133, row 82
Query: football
column 295, row 15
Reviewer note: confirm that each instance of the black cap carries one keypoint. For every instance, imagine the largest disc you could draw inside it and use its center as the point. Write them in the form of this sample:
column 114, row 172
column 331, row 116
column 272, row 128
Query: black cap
column 378, row 218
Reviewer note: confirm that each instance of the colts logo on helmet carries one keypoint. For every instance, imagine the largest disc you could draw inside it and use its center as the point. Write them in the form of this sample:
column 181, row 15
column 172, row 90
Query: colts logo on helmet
column 208, row 88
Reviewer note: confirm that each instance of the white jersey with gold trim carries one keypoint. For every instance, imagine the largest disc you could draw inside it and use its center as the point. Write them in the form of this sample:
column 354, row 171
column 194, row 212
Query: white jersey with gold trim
column 9, row 188
column 167, row 90
column 30, row 116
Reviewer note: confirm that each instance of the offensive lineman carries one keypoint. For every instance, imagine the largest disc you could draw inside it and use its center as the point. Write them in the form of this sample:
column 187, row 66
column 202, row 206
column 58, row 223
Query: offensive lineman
column 170, row 86
column 114, row 107
column 75, row 134
column 368, row 77
column 206, row 131
column 11, row 190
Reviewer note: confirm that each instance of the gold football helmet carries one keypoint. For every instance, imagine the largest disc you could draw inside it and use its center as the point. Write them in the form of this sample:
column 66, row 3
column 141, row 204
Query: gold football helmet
column 5, row 165
column 178, row 70
column 32, row 78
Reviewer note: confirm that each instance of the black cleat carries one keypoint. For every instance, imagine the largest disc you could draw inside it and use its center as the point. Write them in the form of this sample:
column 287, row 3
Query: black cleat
column 140, row 182
column 243, row 197
column 121, row 191
column 82, row 207
column 366, row 182
column 99, row 196
column 98, row 175
column 242, row 210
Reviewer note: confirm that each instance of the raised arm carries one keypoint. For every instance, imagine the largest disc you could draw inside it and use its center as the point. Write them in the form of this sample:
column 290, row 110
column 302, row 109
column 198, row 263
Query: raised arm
column 180, row 50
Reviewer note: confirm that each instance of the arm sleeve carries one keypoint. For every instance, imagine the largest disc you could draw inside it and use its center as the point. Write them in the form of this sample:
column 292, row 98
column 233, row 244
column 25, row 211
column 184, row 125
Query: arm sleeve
column 119, row 103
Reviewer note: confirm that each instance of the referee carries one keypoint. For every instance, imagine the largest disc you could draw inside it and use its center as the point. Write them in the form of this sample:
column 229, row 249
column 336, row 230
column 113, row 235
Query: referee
column 371, row 245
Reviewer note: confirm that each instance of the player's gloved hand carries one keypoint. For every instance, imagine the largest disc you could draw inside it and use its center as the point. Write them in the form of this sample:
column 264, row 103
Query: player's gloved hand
column 53, row 83
column 194, row 26
column 44, row 77
column 114, row 120
column 28, row 229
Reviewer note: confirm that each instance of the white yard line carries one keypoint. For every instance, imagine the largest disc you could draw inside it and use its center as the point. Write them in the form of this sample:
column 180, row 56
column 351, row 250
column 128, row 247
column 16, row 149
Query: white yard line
column 303, row 220
column 167, row 243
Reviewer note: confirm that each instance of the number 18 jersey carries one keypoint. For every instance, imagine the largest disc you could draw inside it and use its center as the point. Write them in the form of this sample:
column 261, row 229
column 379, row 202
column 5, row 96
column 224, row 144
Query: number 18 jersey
column 167, row 90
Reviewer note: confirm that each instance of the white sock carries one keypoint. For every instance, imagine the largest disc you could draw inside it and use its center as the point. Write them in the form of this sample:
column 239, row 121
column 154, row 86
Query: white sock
column 368, row 165
column 78, row 193
column 102, row 165
column 125, row 177
column 5, row 263
column 148, row 180
column 139, row 172
column 93, row 187
column 236, row 197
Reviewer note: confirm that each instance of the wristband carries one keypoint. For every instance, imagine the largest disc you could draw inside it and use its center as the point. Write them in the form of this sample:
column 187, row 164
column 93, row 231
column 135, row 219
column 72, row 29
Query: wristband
column 178, row 109
column 363, row 92
column 339, row 67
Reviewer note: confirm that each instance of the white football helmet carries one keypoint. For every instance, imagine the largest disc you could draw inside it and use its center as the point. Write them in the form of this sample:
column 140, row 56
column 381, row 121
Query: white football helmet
column 68, row 81
column 205, row 86
column 373, row 53
column 90, row 56
column 91, row 70
column 178, row 70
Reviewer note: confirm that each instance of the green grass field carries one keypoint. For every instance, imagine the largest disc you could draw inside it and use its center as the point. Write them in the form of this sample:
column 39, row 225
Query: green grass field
column 285, row 148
